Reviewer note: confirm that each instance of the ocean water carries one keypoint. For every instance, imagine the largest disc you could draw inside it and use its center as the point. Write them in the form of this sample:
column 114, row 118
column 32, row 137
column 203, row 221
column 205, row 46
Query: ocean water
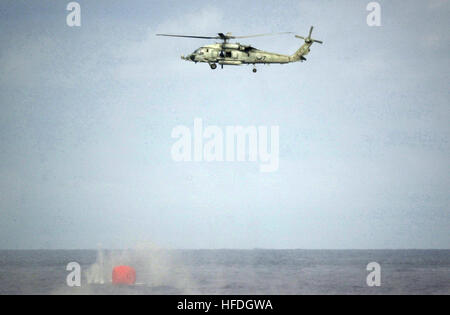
column 228, row 271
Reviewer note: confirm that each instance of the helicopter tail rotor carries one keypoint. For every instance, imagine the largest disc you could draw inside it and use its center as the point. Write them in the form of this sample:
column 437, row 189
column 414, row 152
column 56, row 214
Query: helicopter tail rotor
column 309, row 39
column 300, row 54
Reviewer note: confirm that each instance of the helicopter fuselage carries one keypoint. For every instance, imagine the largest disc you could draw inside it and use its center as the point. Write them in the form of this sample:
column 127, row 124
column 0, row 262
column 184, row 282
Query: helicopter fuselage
column 237, row 54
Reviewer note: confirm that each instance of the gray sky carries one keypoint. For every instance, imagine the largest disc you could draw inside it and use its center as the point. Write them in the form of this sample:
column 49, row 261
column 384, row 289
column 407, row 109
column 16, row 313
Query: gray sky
column 86, row 116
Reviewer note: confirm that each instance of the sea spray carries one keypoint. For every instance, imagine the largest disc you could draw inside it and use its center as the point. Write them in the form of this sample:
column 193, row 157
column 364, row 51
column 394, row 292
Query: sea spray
column 155, row 268
column 95, row 274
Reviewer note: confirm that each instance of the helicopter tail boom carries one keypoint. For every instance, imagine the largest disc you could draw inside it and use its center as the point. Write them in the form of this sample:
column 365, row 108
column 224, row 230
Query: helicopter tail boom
column 304, row 50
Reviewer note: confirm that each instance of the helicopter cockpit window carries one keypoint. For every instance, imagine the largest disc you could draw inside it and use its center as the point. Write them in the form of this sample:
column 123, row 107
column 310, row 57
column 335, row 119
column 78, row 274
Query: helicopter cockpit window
column 199, row 51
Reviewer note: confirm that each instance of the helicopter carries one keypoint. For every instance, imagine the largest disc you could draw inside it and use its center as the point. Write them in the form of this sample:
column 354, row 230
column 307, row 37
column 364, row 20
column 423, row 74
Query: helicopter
column 235, row 54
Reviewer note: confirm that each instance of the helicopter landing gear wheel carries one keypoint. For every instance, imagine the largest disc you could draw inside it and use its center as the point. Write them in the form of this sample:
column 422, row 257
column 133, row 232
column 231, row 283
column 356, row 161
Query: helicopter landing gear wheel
column 213, row 66
column 255, row 70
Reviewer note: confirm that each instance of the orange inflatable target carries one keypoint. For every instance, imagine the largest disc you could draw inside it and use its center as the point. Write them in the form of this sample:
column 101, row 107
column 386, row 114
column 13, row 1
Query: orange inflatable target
column 124, row 275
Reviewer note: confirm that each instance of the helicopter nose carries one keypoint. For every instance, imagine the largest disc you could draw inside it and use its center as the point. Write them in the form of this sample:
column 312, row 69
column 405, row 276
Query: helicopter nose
column 192, row 57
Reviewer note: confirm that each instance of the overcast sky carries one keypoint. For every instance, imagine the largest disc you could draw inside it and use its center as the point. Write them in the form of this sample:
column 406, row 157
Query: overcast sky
column 86, row 116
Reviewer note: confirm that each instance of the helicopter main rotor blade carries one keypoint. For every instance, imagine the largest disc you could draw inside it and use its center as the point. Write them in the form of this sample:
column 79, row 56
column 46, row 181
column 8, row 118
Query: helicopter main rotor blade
column 223, row 36
column 258, row 35
column 310, row 31
column 189, row 36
